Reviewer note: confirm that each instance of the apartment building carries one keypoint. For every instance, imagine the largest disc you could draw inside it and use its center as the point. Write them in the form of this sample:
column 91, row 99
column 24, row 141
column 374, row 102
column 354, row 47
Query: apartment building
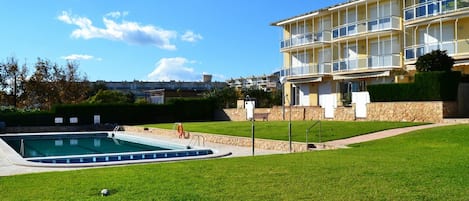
column 334, row 51
column 430, row 25
column 264, row 82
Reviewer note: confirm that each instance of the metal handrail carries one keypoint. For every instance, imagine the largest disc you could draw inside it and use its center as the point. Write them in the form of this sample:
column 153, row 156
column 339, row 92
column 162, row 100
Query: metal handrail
column 308, row 129
column 198, row 137
column 116, row 128
column 22, row 148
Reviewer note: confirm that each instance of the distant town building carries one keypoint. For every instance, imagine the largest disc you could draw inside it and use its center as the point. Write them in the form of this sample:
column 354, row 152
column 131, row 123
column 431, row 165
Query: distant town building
column 160, row 92
column 265, row 82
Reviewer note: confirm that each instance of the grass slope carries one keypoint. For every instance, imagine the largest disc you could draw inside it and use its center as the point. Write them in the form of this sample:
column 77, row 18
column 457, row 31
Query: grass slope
column 429, row 164
column 278, row 130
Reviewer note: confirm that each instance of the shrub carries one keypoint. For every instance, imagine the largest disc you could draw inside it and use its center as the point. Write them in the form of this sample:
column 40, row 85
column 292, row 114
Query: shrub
column 428, row 86
column 436, row 60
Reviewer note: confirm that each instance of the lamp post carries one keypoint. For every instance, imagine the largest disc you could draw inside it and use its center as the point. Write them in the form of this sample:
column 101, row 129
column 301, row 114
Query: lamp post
column 289, row 130
column 282, row 83
column 289, row 125
column 285, row 97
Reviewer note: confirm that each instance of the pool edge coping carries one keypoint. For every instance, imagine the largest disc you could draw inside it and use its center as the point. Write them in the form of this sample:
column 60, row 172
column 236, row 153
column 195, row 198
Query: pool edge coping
column 13, row 157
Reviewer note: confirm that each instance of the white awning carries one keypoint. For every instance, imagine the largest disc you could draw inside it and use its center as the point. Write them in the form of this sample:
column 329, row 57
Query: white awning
column 461, row 63
column 361, row 75
column 305, row 80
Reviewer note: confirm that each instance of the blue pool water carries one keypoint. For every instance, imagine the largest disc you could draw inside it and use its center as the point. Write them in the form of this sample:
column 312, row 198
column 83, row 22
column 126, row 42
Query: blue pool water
column 86, row 148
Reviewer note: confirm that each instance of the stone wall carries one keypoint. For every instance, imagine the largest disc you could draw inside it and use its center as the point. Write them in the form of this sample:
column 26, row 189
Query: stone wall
column 276, row 113
column 344, row 113
column 232, row 140
column 428, row 111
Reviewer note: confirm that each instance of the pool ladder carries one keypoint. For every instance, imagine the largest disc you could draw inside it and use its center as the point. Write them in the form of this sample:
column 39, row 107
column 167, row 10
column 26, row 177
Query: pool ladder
column 22, row 147
column 197, row 139
column 117, row 128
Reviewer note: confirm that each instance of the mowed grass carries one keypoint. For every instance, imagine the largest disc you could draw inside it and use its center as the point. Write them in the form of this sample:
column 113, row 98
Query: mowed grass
column 430, row 164
column 278, row 130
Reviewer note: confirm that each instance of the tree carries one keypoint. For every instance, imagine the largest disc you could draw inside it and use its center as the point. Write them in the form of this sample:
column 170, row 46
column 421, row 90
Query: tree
column 436, row 60
column 225, row 98
column 38, row 88
column 12, row 78
column 110, row 96
column 95, row 87
column 73, row 87
column 51, row 84
column 264, row 99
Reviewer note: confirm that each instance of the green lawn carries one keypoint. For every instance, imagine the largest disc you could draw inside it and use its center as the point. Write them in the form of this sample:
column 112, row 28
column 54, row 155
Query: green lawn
column 430, row 164
column 278, row 130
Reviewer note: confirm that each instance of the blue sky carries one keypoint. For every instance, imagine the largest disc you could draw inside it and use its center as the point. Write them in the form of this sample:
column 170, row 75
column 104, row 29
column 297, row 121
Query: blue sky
column 150, row 40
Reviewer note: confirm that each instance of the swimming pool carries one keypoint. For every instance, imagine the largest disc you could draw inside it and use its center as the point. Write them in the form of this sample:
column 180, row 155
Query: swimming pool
column 79, row 149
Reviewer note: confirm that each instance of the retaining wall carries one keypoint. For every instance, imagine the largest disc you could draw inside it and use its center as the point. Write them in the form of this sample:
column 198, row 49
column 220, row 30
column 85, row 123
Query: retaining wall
column 231, row 140
column 428, row 111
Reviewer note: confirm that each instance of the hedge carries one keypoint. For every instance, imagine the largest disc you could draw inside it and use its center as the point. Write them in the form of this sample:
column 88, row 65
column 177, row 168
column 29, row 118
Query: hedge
column 428, row 86
column 178, row 110
column 27, row 118
column 193, row 109
column 116, row 113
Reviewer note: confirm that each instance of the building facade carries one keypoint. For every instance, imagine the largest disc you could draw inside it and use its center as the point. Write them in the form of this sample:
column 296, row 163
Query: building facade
column 331, row 52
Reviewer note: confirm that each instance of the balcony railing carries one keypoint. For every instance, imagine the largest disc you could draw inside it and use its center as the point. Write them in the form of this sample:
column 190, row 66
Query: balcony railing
column 416, row 51
column 432, row 8
column 344, row 65
column 384, row 61
column 315, row 69
column 308, row 38
column 370, row 62
column 385, row 23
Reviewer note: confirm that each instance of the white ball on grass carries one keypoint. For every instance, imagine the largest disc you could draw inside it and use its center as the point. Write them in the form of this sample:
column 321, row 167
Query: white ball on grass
column 104, row 192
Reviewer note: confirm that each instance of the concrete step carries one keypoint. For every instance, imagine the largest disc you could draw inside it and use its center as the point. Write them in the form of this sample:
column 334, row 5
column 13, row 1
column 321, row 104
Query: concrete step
column 456, row 120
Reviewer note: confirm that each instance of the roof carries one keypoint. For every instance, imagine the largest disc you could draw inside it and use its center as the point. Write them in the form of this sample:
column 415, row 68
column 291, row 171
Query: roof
column 312, row 12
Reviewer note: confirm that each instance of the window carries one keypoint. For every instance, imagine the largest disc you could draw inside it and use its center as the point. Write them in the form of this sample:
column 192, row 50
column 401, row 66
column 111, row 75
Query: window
column 433, row 8
column 349, row 53
column 346, row 89
column 421, row 11
column 409, row 14
column 381, row 52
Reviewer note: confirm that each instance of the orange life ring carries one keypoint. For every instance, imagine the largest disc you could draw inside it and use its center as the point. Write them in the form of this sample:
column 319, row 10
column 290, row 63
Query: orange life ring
column 180, row 130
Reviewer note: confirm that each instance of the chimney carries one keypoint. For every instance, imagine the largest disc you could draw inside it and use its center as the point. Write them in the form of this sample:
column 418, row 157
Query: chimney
column 207, row 78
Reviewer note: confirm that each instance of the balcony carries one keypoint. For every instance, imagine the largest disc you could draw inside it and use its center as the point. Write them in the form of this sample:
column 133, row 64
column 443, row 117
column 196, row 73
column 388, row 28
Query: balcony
column 345, row 65
column 370, row 62
column 385, row 23
column 384, row 61
column 309, row 70
column 416, row 51
column 305, row 39
column 433, row 8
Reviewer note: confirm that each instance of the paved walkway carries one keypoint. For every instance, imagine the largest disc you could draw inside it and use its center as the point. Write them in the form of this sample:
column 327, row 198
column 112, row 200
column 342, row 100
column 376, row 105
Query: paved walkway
column 379, row 135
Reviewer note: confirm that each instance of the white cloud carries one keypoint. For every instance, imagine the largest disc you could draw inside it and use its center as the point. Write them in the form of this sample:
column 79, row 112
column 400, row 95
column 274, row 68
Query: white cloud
column 192, row 37
column 175, row 68
column 129, row 32
column 117, row 14
column 80, row 57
